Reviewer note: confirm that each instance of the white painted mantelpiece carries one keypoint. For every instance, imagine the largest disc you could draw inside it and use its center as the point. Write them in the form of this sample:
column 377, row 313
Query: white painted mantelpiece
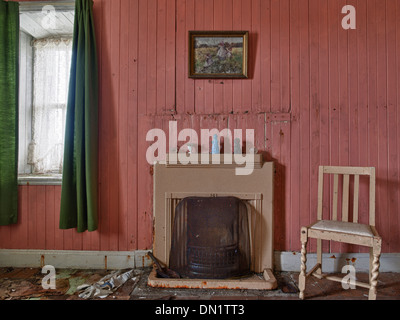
column 175, row 181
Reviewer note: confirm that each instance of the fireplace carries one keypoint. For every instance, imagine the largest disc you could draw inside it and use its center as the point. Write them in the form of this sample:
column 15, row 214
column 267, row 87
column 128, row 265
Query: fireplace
column 179, row 186
column 210, row 238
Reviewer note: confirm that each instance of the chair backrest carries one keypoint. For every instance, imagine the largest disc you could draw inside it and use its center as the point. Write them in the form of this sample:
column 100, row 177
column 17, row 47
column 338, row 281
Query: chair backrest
column 346, row 172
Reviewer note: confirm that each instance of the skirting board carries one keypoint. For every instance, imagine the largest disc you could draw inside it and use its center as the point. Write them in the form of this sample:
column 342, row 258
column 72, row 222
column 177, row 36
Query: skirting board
column 75, row 259
column 334, row 262
column 284, row 260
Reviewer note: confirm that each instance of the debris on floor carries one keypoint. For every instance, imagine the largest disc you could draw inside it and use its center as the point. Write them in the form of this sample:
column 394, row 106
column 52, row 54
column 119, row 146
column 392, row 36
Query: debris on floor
column 106, row 285
column 25, row 283
column 131, row 284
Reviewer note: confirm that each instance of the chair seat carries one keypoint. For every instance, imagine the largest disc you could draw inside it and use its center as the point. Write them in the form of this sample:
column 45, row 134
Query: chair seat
column 345, row 227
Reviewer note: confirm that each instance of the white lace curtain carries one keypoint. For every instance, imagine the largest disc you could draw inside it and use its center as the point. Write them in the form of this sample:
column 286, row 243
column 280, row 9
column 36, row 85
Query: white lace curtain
column 52, row 60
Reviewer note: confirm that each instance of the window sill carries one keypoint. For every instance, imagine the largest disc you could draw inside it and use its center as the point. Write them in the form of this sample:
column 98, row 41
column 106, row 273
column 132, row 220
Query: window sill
column 40, row 179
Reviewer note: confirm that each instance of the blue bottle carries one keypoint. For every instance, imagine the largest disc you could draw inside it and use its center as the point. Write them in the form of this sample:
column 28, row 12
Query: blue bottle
column 215, row 145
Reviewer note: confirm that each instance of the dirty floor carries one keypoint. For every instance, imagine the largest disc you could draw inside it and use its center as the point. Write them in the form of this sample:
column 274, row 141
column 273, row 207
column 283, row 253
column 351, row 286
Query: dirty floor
column 26, row 284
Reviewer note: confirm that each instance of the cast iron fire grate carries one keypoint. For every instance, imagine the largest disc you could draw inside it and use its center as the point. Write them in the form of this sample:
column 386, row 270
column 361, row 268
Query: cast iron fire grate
column 210, row 238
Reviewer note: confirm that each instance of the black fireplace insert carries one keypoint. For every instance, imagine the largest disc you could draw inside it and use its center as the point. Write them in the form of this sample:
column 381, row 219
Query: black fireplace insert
column 210, row 238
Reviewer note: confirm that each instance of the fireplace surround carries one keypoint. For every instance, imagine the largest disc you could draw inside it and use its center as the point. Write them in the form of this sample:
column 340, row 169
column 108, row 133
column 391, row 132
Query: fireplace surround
column 174, row 182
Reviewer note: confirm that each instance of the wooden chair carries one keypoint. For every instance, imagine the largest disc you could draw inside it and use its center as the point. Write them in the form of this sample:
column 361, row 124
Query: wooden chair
column 343, row 231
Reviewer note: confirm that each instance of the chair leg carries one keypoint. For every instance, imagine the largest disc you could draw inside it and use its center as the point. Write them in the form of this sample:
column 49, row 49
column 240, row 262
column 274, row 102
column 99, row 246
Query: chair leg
column 303, row 267
column 374, row 270
column 319, row 256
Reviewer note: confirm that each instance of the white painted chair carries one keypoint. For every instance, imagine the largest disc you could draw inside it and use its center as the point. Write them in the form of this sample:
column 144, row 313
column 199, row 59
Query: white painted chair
column 343, row 231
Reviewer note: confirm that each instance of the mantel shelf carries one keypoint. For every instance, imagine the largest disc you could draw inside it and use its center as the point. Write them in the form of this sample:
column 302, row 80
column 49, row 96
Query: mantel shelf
column 202, row 160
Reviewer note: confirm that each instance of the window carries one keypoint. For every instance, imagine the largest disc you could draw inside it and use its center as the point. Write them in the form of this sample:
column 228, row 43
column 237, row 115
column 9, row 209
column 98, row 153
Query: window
column 45, row 57
column 51, row 65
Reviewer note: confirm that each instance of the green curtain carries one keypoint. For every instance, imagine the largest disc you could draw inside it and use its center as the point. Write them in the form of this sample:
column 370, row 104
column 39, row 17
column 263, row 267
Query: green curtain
column 80, row 167
column 9, row 55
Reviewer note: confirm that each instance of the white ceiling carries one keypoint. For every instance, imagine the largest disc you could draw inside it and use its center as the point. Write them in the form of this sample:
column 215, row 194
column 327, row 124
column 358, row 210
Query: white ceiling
column 41, row 22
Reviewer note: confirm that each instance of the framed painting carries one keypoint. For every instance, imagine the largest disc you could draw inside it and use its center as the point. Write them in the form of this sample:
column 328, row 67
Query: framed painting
column 218, row 54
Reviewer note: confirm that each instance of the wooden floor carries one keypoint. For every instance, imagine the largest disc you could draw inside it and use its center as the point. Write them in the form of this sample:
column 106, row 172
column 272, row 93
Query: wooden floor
column 25, row 284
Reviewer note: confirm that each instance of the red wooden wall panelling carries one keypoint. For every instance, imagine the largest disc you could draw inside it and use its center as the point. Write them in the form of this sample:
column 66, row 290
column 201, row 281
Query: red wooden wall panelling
column 317, row 94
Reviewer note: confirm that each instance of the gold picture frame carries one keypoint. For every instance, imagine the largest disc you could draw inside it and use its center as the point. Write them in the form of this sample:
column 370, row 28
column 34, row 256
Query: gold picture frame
column 218, row 54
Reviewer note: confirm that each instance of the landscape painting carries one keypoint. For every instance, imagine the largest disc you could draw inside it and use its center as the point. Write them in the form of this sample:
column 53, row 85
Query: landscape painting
column 217, row 54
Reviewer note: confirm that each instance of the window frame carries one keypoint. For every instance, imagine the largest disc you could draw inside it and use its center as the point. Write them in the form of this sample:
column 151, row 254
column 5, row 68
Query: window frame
column 25, row 175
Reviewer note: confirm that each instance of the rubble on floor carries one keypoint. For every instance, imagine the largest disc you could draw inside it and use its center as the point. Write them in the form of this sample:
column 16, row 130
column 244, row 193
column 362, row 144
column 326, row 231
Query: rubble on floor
column 26, row 284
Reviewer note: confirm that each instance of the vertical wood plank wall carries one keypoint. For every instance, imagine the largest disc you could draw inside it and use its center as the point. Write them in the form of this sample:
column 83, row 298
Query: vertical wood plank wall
column 317, row 94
